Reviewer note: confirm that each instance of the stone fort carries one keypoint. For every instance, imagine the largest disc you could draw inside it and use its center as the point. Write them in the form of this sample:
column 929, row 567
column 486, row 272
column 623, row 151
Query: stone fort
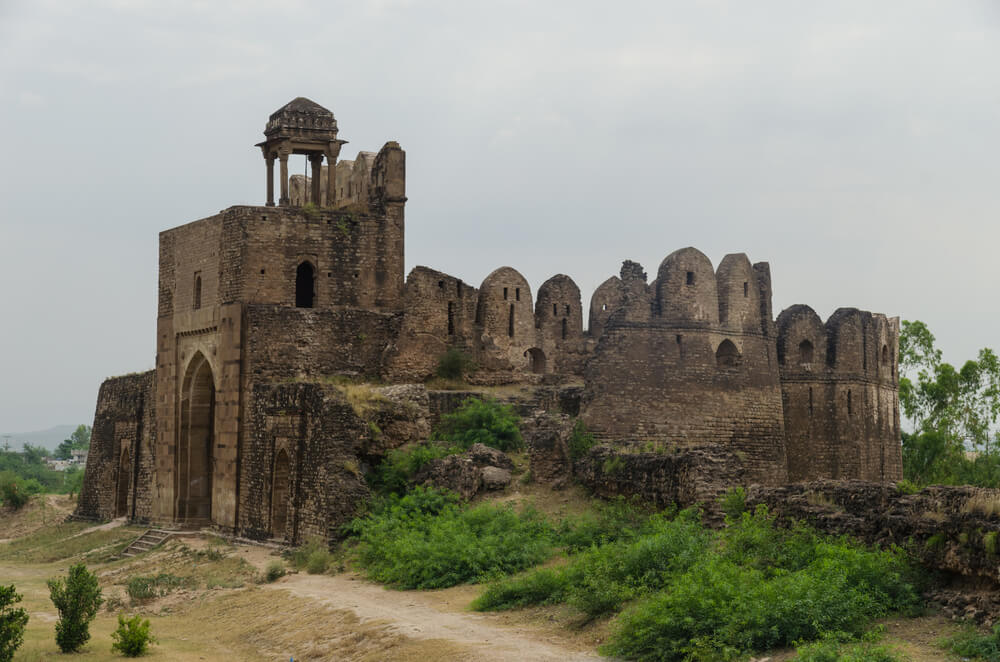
column 270, row 316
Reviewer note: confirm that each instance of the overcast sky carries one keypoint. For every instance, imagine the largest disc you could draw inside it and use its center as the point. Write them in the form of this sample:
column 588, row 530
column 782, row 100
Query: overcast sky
column 853, row 145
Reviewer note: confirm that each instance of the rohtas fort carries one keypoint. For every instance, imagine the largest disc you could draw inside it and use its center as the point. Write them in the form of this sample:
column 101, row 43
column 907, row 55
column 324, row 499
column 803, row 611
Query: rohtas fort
column 293, row 352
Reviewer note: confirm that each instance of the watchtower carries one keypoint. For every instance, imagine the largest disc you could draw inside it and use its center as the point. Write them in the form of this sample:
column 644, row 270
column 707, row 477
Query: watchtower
column 302, row 126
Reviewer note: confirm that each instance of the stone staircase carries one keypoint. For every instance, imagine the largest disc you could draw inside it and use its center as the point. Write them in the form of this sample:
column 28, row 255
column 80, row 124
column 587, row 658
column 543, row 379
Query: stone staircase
column 147, row 541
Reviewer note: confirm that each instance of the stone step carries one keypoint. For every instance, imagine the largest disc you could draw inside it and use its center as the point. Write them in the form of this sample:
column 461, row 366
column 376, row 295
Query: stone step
column 147, row 541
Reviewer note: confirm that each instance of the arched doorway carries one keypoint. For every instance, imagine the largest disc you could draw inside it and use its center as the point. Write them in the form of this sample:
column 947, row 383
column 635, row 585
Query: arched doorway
column 279, row 495
column 124, row 479
column 536, row 360
column 196, row 439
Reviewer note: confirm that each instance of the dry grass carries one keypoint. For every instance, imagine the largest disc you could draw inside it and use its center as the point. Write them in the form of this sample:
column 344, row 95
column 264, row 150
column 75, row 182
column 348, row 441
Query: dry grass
column 986, row 503
column 821, row 501
column 363, row 398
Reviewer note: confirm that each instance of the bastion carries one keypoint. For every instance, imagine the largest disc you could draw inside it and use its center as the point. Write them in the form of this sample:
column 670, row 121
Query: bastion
column 272, row 320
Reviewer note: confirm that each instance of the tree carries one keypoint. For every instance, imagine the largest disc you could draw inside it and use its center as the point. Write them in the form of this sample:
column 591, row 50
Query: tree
column 77, row 599
column 79, row 440
column 481, row 421
column 132, row 638
column 954, row 411
column 12, row 623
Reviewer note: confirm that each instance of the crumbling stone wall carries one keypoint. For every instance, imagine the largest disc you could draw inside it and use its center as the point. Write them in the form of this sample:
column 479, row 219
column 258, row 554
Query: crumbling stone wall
column 673, row 367
column 117, row 479
column 840, row 390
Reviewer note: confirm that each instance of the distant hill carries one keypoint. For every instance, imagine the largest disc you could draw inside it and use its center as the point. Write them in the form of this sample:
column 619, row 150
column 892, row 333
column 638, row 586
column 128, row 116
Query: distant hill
column 46, row 438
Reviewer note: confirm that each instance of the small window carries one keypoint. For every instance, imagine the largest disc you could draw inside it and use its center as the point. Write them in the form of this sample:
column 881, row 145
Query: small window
column 564, row 329
column 458, row 288
column 746, row 289
column 690, row 278
column 197, row 290
column 505, row 294
column 678, row 339
column 510, row 321
column 441, row 284
column 555, row 310
column 451, row 318
column 850, row 408
column 727, row 356
column 517, row 293
column 604, row 306
column 805, row 352
column 305, row 286
column 810, row 400
column 567, row 309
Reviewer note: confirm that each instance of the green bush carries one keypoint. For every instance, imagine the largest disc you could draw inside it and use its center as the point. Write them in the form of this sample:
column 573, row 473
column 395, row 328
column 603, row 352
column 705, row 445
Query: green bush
column 140, row 589
column 77, row 599
column 481, row 421
column 15, row 491
column 393, row 474
column 763, row 588
column 537, row 587
column 275, row 571
column 319, row 562
column 734, row 502
column 313, row 556
column 454, row 364
column 132, row 638
column 833, row 648
column 580, row 441
column 971, row 644
column 12, row 623
column 427, row 539
column 616, row 519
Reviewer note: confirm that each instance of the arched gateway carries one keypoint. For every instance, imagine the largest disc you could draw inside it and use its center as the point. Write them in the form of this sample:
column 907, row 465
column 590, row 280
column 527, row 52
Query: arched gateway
column 194, row 463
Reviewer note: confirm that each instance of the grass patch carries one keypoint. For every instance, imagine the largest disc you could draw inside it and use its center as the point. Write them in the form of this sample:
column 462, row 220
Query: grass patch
column 65, row 541
column 970, row 643
column 363, row 398
column 987, row 504
column 428, row 539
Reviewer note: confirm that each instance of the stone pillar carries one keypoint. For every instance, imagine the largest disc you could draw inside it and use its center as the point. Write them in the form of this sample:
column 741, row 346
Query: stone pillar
column 270, row 181
column 332, row 152
column 316, row 161
column 284, row 201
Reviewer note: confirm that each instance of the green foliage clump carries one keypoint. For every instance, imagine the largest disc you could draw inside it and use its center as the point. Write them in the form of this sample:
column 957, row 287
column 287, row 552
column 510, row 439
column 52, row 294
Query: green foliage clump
column 29, row 465
column 454, row 364
column 393, row 474
column 618, row 518
column 602, row 578
column 428, row 539
column 141, row 588
column 613, row 465
column 132, row 638
column 79, row 440
column 13, row 620
column 77, row 599
column 990, row 543
column 907, row 487
column 481, row 421
column 734, row 502
column 580, row 441
column 837, row 647
column 764, row 587
column 16, row 492
column 971, row 644
column 275, row 571
column 313, row 556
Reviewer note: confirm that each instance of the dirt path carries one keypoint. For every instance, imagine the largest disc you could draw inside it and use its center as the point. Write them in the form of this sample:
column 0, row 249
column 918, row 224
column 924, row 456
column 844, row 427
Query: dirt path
column 415, row 616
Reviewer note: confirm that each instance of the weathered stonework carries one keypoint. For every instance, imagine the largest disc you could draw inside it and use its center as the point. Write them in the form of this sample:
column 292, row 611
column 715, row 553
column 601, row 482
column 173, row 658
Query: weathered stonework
column 264, row 311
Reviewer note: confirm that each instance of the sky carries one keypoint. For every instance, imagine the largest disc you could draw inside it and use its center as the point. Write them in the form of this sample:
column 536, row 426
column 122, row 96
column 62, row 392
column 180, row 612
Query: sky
column 852, row 145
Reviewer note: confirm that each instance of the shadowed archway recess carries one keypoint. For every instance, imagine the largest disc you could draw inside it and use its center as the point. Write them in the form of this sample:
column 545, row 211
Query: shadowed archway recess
column 194, row 463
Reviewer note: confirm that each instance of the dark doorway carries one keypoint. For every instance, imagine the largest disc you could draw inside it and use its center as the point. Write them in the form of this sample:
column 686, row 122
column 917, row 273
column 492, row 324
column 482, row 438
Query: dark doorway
column 536, row 357
column 305, row 286
column 279, row 495
column 194, row 450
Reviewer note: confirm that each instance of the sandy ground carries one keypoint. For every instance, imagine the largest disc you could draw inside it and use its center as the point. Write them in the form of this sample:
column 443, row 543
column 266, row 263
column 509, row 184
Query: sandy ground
column 416, row 616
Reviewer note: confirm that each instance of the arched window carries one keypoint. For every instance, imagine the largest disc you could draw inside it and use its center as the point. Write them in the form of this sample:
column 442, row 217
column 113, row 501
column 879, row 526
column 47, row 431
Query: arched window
column 805, row 352
column 727, row 356
column 305, row 286
column 197, row 290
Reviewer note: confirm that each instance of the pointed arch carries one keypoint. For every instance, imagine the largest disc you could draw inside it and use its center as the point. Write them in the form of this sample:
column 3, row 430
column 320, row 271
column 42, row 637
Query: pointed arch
column 194, row 459
column 727, row 355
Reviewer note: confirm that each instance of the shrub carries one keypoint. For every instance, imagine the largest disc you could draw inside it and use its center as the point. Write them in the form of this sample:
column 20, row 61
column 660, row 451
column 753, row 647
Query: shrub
column 318, row 562
column 971, row 644
column 77, row 599
column 734, row 502
column 275, row 571
column 132, row 637
column 313, row 556
column 140, row 589
column 907, row 487
column 580, row 441
column 833, row 649
column 426, row 539
column 616, row 519
column 16, row 492
column 12, row 623
column 481, row 421
column 454, row 364
column 990, row 543
column 393, row 474
column 538, row 587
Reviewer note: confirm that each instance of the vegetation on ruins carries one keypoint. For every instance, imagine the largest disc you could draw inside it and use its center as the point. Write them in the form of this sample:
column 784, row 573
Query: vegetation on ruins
column 132, row 637
column 394, row 473
column 429, row 539
column 686, row 593
column 13, row 620
column 454, row 364
column 77, row 599
column 483, row 421
column 954, row 411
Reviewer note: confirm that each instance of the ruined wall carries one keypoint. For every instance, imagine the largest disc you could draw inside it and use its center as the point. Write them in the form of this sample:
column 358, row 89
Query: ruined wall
column 118, row 476
column 506, row 318
column 840, row 392
column 674, row 366
column 559, row 325
column 439, row 312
